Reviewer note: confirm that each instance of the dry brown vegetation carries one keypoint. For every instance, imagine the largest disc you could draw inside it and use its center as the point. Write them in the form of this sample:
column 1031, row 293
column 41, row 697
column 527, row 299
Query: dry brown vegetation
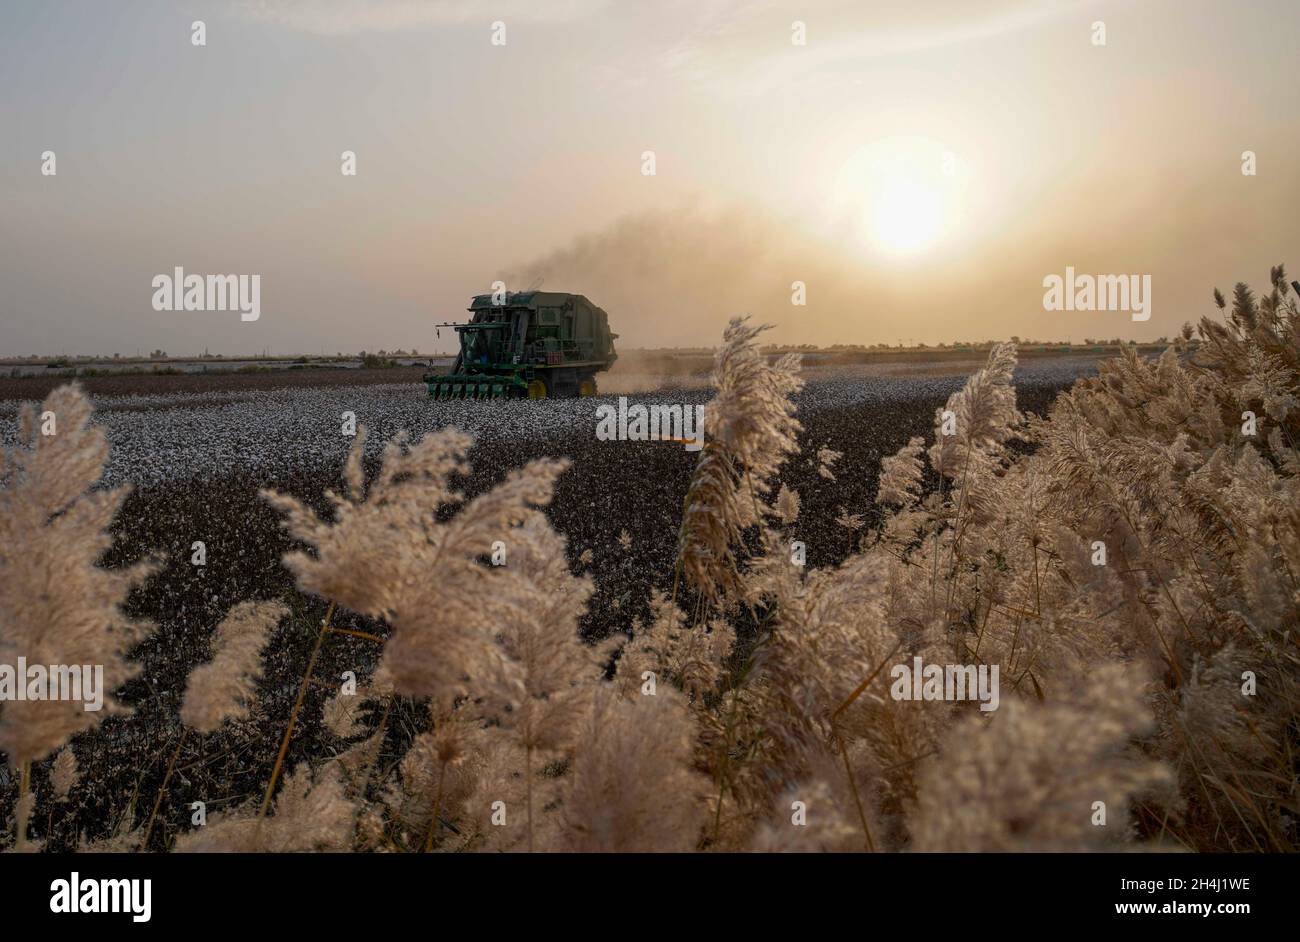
column 1161, row 681
column 161, row 384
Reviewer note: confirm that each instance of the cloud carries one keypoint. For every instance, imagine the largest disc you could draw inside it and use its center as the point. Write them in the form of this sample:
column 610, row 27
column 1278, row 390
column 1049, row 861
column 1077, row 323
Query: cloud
column 339, row 17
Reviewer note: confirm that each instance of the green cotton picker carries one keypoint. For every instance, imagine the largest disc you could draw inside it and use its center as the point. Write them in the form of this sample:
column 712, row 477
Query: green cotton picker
column 527, row 345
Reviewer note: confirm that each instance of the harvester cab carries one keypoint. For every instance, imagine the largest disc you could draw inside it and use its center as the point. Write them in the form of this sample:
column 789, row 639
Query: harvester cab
column 527, row 345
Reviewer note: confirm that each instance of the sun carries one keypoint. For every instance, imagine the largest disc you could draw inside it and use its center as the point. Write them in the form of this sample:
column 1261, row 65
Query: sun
column 907, row 215
column 899, row 196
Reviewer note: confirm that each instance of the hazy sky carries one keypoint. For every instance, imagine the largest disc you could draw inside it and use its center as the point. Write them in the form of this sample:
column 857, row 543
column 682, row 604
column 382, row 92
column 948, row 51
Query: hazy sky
column 920, row 166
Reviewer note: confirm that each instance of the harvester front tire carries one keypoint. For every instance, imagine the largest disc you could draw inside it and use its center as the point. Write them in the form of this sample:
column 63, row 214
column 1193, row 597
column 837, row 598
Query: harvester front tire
column 588, row 387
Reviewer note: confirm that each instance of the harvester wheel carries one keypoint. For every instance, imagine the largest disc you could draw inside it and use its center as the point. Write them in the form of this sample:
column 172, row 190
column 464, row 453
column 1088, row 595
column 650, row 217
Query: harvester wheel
column 537, row 389
column 588, row 387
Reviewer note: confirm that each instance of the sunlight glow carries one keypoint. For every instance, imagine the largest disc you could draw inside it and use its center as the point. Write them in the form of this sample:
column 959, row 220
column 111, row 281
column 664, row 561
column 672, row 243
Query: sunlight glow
column 899, row 195
column 907, row 215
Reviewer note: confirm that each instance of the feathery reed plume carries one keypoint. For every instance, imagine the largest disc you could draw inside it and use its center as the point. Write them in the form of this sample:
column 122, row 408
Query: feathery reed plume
column 1030, row 778
column 690, row 658
column 826, row 458
column 711, row 528
column 969, row 449
column 750, row 429
column 388, row 556
column 223, row 688
column 633, row 788
column 431, row 773
column 900, row 475
column 56, row 605
column 825, row 632
column 851, row 522
column 64, row 774
column 312, row 813
column 538, row 690
column 984, row 413
column 829, row 823
column 342, row 715
column 787, row 505
column 491, row 818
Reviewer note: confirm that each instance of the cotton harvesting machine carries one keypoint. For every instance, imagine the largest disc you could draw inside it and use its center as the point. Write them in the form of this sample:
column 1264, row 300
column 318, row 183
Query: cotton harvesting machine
column 527, row 345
